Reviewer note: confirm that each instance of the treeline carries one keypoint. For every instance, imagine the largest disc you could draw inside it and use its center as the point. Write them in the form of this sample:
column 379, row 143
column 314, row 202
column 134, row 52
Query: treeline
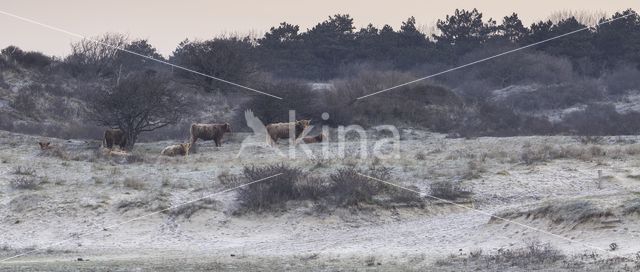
column 582, row 68
column 329, row 49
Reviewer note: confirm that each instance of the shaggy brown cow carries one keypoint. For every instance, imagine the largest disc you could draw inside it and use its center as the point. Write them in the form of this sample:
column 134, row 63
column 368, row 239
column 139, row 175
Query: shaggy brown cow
column 208, row 132
column 114, row 136
column 45, row 145
column 175, row 150
column 315, row 139
column 281, row 130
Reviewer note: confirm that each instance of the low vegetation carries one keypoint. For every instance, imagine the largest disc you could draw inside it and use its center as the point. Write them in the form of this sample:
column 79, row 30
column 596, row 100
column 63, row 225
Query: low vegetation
column 632, row 207
column 449, row 190
column 569, row 213
column 347, row 187
column 534, row 256
column 25, row 183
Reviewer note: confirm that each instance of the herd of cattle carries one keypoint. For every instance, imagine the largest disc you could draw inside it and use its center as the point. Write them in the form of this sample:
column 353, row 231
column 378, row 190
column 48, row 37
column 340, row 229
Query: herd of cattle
column 207, row 132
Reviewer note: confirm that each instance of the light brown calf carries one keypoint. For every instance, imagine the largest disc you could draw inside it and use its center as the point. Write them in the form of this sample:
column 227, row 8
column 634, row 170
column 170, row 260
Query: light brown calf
column 176, row 150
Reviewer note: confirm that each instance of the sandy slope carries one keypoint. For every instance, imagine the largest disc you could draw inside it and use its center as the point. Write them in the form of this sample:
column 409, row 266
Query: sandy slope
column 82, row 196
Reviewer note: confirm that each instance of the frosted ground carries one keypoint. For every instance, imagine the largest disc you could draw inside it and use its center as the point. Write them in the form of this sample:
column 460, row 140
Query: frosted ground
column 585, row 193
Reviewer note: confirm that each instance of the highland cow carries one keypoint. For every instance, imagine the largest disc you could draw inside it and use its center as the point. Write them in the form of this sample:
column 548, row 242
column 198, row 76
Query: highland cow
column 45, row 145
column 114, row 136
column 281, row 130
column 315, row 139
column 208, row 132
column 176, row 150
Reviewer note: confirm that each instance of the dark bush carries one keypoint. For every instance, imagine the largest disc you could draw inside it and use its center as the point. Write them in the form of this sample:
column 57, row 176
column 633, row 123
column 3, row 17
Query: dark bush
column 557, row 96
column 25, row 183
column 488, row 119
column 622, row 79
column 345, row 188
column 419, row 104
column 29, row 59
column 270, row 194
column 350, row 188
column 600, row 120
column 25, row 103
column 296, row 95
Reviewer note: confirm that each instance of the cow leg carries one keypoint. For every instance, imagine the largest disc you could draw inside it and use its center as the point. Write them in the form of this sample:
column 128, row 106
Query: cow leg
column 193, row 147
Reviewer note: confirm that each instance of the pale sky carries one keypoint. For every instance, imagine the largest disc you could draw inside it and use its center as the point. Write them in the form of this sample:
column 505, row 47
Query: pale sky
column 165, row 23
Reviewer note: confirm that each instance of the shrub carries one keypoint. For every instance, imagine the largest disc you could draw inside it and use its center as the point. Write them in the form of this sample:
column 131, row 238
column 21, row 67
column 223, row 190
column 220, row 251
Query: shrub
column 270, row 194
column 31, row 59
column 420, row 104
column 313, row 188
column 487, row 119
column 557, row 96
column 543, row 153
column 345, row 188
column 296, row 96
column 622, row 79
column 25, row 103
column 350, row 188
column 632, row 207
column 25, row 183
column 601, row 119
column 449, row 190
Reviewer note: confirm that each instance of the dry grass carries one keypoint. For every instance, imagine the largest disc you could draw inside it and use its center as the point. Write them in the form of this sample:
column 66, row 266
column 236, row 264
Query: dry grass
column 449, row 190
column 151, row 202
column 545, row 153
column 533, row 256
column 590, row 139
column 572, row 213
column 632, row 207
column 190, row 209
column 134, row 183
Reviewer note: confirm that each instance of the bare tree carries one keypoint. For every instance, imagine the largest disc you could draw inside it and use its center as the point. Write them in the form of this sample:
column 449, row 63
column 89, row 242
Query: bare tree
column 97, row 55
column 584, row 17
column 141, row 102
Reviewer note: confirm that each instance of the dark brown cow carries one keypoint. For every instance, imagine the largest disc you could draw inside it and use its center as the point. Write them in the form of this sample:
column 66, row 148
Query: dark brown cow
column 115, row 136
column 208, row 132
column 281, row 130
column 315, row 139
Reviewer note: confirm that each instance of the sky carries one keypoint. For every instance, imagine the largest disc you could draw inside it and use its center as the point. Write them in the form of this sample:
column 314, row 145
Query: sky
column 165, row 23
